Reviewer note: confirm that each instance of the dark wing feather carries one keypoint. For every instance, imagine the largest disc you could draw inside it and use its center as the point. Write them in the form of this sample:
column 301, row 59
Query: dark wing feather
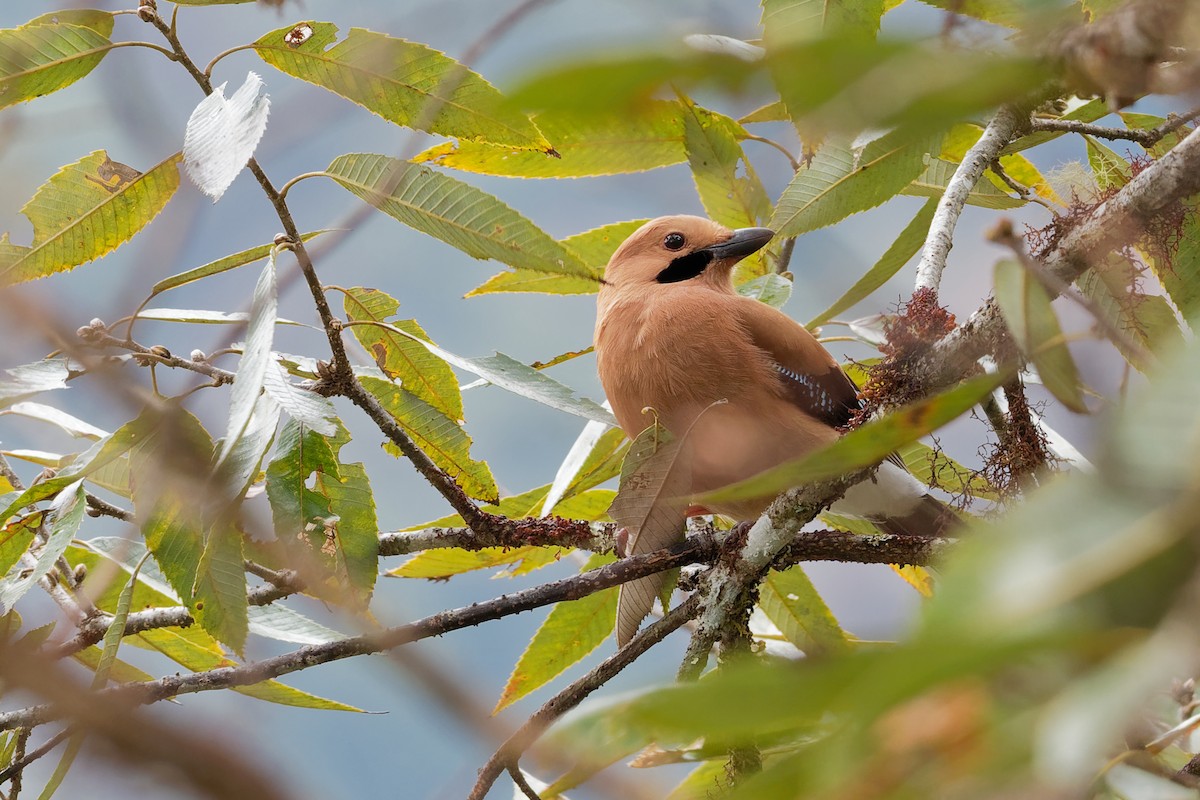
column 830, row 396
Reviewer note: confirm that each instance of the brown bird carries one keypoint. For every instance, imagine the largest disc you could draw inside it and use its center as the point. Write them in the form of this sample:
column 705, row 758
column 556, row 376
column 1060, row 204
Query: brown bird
column 674, row 336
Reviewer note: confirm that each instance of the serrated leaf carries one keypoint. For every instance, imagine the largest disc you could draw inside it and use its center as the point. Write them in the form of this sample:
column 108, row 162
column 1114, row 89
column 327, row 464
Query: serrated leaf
column 937, row 470
column 404, row 82
column 72, row 426
column 222, row 133
column 772, row 289
column 1110, row 170
column 728, row 187
column 594, row 248
column 66, row 517
column 219, row 593
column 651, row 506
column 455, row 212
column 95, row 458
column 441, row 438
column 222, row 265
column 866, row 445
column 308, row 408
column 88, row 209
column 570, row 631
column 1009, row 13
column 419, row 371
column 15, row 538
column 1025, row 304
column 1112, row 286
column 588, row 145
column 907, row 245
column 324, row 510
column 796, row 608
column 933, row 180
column 840, row 182
column 799, row 20
column 771, row 112
column 51, row 52
column 170, row 469
column 18, row 383
column 256, row 358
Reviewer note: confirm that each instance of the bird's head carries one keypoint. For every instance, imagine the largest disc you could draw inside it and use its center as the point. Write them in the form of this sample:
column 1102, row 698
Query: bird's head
column 681, row 249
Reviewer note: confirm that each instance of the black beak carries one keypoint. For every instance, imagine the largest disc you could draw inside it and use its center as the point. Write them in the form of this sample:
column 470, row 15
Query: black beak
column 743, row 242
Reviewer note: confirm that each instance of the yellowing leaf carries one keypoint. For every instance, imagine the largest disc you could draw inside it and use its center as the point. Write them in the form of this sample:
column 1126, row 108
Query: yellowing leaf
column 51, row 52
column 88, row 209
column 960, row 139
column 419, row 371
column 587, row 145
column 932, row 183
column 593, row 248
column 1025, row 304
column 917, row 577
column 439, row 436
column 570, row 631
column 455, row 212
column 404, row 82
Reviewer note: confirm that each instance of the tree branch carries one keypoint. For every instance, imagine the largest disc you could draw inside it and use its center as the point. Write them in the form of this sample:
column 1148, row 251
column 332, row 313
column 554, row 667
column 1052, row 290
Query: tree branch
column 1146, row 138
column 510, row 752
column 1113, row 224
column 998, row 133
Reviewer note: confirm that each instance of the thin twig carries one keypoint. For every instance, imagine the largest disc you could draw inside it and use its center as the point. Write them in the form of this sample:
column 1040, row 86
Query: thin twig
column 1003, row 127
column 155, row 355
column 1146, row 138
column 510, row 752
column 14, row 770
column 514, row 772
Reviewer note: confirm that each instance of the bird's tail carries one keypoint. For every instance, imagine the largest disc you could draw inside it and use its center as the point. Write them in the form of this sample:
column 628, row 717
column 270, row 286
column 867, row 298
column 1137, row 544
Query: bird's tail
column 930, row 518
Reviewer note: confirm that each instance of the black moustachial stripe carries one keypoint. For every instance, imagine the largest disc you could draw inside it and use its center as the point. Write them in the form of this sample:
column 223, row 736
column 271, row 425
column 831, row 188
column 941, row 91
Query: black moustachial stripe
column 685, row 267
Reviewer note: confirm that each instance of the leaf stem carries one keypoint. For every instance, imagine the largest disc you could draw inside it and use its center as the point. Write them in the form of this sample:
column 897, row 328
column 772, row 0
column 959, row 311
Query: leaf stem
column 208, row 69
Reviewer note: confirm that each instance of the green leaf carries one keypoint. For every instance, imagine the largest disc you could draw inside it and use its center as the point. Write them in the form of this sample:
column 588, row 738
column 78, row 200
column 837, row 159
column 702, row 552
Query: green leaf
column 441, row 438
column 594, row 248
column 1135, row 121
column 840, row 182
column 94, row 459
column 937, row 470
column 66, row 517
column 455, row 212
column 419, row 371
column 324, row 510
column 1180, row 275
column 772, row 289
column 1009, row 13
column 963, row 136
column 219, row 593
column 256, row 358
column 793, row 604
column 404, row 82
column 570, row 631
column 15, row 538
column 88, row 209
column 446, row 562
column 170, row 469
column 588, row 144
column 1148, row 318
column 1111, row 170
column 932, row 183
column 705, row 782
column 221, row 265
column 729, row 188
column 771, row 112
column 866, row 445
column 786, row 21
column 1025, row 304
column 51, row 52
column 907, row 245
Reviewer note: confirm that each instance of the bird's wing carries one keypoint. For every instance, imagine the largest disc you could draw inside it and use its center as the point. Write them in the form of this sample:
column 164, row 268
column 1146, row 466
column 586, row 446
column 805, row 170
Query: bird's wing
column 809, row 375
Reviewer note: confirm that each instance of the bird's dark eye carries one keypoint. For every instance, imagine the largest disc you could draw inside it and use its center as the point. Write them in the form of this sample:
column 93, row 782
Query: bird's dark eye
column 674, row 241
